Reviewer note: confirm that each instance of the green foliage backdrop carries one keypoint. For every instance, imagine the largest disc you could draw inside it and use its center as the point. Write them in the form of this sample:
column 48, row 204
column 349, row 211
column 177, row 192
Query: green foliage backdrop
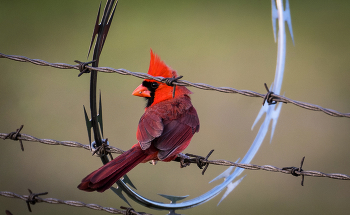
column 222, row 43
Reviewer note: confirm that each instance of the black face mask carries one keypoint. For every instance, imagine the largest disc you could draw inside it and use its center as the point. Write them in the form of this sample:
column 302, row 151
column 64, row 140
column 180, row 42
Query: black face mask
column 151, row 86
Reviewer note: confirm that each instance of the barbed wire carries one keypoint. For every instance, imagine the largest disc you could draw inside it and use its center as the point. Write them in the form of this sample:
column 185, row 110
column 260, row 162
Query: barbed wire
column 276, row 169
column 272, row 97
column 112, row 149
column 26, row 137
column 26, row 198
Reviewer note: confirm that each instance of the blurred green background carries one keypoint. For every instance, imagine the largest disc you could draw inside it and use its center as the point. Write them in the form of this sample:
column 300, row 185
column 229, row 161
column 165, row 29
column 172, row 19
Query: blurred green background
column 222, row 43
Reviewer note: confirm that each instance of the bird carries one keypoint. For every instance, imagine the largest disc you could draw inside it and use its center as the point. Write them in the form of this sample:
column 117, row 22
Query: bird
column 164, row 130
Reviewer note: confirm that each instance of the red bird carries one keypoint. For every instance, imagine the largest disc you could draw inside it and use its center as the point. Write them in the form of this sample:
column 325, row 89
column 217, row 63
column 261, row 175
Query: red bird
column 165, row 129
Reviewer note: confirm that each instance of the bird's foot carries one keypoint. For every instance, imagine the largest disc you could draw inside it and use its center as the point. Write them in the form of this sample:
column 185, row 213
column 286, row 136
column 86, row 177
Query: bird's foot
column 184, row 160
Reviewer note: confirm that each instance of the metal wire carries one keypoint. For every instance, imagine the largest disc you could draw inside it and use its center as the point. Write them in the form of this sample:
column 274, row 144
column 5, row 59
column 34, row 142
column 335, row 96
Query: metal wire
column 215, row 162
column 273, row 97
column 276, row 169
column 71, row 203
column 30, row 138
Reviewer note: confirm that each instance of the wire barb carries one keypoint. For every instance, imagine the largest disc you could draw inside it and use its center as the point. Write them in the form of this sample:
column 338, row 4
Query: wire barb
column 130, row 211
column 268, row 97
column 14, row 136
column 103, row 149
column 171, row 81
column 201, row 161
column 297, row 171
column 32, row 198
column 82, row 67
column 271, row 97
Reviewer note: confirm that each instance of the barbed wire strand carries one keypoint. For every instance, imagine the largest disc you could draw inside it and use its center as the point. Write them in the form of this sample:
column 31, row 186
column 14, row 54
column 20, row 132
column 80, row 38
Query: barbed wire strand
column 274, row 97
column 30, row 138
column 72, row 203
column 112, row 149
column 276, row 169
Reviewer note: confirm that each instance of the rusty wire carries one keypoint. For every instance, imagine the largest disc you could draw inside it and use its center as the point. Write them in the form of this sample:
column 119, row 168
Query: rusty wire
column 276, row 169
column 30, row 138
column 272, row 97
column 128, row 211
column 270, row 168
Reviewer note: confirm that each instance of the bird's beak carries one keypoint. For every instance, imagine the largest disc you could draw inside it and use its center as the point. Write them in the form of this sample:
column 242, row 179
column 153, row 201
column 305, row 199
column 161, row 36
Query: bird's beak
column 142, row 91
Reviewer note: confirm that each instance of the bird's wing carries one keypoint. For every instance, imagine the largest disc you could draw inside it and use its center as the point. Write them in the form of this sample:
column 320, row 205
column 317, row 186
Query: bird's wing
column 177, row 134
column 168, row 134
column 150, row 127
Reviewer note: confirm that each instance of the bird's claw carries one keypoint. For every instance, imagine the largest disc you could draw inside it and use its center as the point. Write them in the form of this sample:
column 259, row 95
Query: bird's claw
column 184, row 160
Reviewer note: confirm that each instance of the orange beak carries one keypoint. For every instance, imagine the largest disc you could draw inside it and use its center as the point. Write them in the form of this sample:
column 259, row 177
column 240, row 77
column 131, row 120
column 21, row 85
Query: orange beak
column 142, row 91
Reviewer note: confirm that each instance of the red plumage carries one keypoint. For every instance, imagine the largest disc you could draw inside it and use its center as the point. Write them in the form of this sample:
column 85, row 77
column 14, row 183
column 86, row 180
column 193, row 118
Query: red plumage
column 165, row 129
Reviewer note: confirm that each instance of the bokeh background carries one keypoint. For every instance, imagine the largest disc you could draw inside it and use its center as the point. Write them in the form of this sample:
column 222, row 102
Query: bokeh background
column 222, row 43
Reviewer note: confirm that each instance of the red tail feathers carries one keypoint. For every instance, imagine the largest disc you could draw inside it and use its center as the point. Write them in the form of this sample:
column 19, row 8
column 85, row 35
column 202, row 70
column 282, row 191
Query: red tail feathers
column 103, row 178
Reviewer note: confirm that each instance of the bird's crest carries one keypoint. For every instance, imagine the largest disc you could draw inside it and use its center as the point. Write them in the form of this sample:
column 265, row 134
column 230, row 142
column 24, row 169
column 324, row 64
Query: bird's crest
column 158, row 68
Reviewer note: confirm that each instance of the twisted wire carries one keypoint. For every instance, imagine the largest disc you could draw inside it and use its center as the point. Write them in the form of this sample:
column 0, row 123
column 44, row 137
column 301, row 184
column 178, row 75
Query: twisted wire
column 270, row 168
column 70, row 203
column 202, row 86
column 276, row 169
column 30, row 138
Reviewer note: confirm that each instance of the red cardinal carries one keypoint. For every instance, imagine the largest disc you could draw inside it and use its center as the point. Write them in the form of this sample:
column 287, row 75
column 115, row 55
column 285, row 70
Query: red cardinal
column 165, row 129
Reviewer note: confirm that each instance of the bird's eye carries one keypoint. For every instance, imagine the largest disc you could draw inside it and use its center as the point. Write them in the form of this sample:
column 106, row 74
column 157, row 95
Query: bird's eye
column 154, row 85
